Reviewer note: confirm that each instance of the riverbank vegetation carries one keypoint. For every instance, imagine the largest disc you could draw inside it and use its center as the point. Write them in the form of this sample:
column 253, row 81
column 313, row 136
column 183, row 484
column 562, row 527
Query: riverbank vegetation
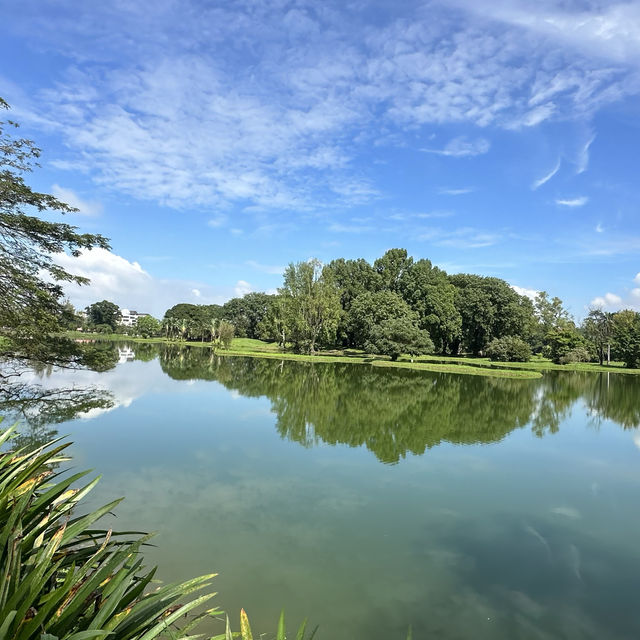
column 399, row 306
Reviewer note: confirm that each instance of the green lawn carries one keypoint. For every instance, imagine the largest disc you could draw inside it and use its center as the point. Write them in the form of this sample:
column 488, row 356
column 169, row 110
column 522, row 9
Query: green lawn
column 467, row 365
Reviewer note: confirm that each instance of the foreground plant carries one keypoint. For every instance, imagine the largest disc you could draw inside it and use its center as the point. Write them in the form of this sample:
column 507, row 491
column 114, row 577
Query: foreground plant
column 61, row 579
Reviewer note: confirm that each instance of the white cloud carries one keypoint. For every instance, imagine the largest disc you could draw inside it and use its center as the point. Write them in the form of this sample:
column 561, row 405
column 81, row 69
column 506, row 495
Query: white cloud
column 242, row 288
column 217, row 221
column 582, row 161
column 85, row 207
column 573, row 202
column 130, row 286
column 462, row 238
column 337, row 227
column 242, row 115
column 599, row 228
column 455, row 192
column 637, row 278
column 523, row 291
column 461, row 147
column 608, row 301
column 545, row 178
column 266, row 268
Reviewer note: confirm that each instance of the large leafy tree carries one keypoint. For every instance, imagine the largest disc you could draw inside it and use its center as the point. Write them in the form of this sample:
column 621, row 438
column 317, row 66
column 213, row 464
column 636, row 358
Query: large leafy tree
column 430, row 293
column 104, row 312
column 313, row 304
column 371, row 309
column 30, row 278
column 626, row 336
column 598, row 327
column 490, row 309
column 391, row 267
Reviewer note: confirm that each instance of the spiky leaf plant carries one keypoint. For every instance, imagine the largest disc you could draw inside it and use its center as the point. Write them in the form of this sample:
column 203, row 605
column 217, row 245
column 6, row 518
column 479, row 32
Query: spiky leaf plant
column 62, row 579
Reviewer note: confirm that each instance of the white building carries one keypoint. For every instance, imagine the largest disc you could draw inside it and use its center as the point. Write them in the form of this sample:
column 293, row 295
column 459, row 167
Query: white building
column 130, row 318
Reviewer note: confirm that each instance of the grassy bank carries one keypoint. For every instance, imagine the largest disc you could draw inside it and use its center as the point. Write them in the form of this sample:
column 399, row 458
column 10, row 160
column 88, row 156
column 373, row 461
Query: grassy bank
column 258, row 349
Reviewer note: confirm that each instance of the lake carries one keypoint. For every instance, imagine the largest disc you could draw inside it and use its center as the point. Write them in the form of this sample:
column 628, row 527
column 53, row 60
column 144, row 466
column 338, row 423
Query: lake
column 371, row 499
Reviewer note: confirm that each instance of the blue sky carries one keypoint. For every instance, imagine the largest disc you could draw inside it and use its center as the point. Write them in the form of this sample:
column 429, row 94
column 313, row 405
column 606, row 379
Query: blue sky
column 215, row 142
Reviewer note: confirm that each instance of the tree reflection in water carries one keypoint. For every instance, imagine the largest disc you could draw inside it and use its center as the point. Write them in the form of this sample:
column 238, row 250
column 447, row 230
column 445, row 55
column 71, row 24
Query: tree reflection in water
column 397, row 411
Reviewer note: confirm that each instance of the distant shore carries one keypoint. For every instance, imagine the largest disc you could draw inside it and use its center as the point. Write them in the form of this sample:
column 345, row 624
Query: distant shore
column 466, row 365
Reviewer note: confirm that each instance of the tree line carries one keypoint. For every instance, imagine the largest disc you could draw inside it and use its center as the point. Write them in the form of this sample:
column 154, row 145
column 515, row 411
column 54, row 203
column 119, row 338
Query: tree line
column 399, row 305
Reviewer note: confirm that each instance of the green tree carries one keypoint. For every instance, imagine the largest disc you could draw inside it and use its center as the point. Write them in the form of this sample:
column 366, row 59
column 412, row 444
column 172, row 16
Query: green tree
column 148, row 327
column 563, row 345
column 490, row 308
column 509, row 349
column 598, row 327
column 354, row 277
column 275, row 324
column 104, row 312
column 396, row 336
column 247, row 313
column 626, row 337
column 225, row 333
column 32, row 307
column 312, row 304
column 430, row 293
column 371, row 309
column 391, row 267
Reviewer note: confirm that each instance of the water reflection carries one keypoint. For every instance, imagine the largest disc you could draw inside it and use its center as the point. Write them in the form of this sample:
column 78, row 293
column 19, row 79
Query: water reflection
column 394, row 412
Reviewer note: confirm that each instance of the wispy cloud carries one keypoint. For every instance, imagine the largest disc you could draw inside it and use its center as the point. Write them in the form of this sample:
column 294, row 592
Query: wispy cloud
column 338, row 227
column 217, row 221
column 266, row 268
column 462, row 238
column 70, row 197
column 462, row 147
column 455, row 192
column 572, row 202
column 547, row 176
column 422, row 215
column 583, row 155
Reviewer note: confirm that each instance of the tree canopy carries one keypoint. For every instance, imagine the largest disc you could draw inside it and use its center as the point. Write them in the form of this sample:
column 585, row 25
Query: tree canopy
column 32, row 308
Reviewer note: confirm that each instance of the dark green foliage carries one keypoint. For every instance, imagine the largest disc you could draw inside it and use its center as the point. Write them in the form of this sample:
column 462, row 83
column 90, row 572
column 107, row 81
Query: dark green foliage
column 398, row 336
column 489, row 309
column 626, row 336
column 105, row 312
column 430, row 293
column 598, row 327
column 32, row 306
column 353, row 278
column 148, row 327
column 370, row 310
column 509, row 349
column 563, row 341
column 391, row 267
column 247, row 313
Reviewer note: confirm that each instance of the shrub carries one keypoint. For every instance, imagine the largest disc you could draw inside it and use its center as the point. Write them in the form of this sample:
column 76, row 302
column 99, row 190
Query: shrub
column 509, row 349
column 579, row 354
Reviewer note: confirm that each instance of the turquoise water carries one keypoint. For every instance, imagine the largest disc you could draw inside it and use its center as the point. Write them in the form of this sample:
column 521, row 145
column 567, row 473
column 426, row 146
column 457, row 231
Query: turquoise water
column 373, row 499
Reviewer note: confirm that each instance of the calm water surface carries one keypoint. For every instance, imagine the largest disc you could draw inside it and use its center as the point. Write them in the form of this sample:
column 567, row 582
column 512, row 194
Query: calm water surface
column 373, row 499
